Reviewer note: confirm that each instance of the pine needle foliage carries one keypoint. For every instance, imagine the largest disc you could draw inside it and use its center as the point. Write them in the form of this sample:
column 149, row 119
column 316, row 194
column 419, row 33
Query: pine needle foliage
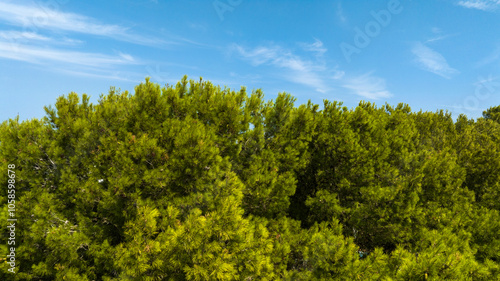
column 197, row 182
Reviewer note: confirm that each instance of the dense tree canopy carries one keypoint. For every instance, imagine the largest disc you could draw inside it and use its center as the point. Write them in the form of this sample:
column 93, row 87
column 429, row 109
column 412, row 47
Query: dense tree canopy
column 199, row 182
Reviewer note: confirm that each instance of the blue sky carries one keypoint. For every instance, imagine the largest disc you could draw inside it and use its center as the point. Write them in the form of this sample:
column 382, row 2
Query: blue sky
column 431, row 55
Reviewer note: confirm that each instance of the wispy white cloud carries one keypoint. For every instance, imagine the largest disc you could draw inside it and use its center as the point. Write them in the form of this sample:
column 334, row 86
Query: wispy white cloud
column 74, row 63
column 484, row 5
column 22, row 35
column 17, row 37
column 368, row 86
column 439, row 35
column 46, row 18
column 316, row 47
column 314, row 72
column 37, row 17
column 126, row 57
column 488, row 82
column 300, row 70
column 259, row 55
column 432, row 61
column 437, row 38
column 39, row 55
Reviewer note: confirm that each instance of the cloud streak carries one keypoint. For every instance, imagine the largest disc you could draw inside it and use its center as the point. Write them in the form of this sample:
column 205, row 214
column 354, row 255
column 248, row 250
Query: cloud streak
column 483, row 5
column 300, row 70
column 432, row 61
column 314, row 73
column 367, row 86
column 316, row 47
column 17, row 37
column 36, row 17
column 22, row 35
column 439, row 38
column 39, row 55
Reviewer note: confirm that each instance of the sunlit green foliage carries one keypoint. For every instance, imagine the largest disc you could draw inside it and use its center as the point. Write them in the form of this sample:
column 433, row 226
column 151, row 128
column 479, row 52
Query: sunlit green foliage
column 198, row 182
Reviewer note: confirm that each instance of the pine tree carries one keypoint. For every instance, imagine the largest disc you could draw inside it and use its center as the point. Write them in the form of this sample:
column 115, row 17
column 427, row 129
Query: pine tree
column 197, row 182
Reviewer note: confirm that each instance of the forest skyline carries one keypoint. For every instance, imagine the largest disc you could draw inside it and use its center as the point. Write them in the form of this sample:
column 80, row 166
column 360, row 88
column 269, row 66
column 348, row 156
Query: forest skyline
column 196, row 182
column 439, row 55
